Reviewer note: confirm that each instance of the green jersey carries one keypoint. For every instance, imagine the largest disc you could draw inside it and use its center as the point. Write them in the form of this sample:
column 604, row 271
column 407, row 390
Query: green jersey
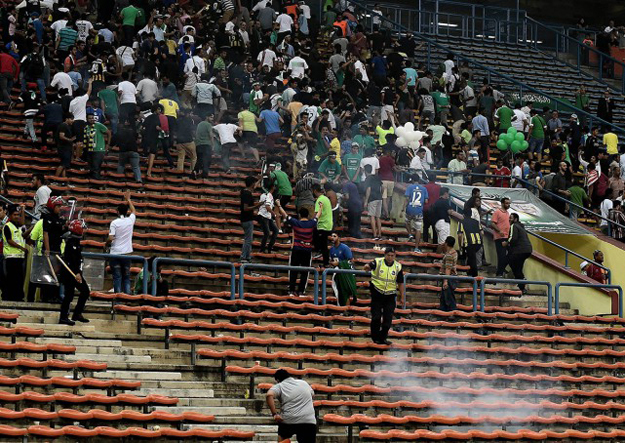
column 352, row 163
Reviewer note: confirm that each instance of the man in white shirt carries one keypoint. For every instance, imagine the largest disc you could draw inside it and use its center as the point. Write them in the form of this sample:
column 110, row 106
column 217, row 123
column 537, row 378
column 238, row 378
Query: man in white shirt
column 78, row 108
column 267, row 56
column 226, row 133
column 42, row 195
column 147, row 89
column 298, row 67
column 372, row 160
column 57, row 26
column 459, row 166
column 195, row 61
column 417, row 164
column 517, row 172
column 521, row 123
column 128, row 101
column 285, row 21
column 62, row 80
column 120, row 241
column 305, row 9
column 84, row 27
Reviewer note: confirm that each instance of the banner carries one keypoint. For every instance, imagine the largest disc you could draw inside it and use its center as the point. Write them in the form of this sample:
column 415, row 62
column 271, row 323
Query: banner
column 540, row 101
column 536, row 215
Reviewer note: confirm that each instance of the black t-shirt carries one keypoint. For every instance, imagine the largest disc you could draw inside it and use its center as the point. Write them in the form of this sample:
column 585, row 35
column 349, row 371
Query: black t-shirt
column 126, row 139
column 375, row 94
column 246, row 199
column 374, row 182
column 66, row 130
column 440, row 210
column 55, row 227
column 555, row 152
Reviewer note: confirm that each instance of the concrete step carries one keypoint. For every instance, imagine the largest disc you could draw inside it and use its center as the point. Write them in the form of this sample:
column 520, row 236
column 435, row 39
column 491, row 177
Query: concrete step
column 138, row 375
column 210, row 410
column 110, row 358
column 82, row 343
column 177, row 392
column 79, row 327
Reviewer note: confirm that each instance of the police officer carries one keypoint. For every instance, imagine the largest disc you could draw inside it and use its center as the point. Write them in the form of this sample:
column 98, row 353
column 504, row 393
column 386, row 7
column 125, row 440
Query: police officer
column 387, row 278
column 72, row 257
column 54, row 226
column 14, row 251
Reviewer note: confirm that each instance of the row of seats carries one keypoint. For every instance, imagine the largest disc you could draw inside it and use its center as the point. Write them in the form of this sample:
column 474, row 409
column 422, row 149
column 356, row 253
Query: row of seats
column 100, row 415
column 66, row 397
column 423, row 434
column 87, row 382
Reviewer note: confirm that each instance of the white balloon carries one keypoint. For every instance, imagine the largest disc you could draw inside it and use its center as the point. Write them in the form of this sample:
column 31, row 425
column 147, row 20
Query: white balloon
column 415, row 145
column 401, row 142
column 419, row 136
column 400, row 132
column 412, row 136
column 409, row 126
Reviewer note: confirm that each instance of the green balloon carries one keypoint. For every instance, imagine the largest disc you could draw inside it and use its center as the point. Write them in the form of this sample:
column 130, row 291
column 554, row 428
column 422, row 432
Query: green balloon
column 512, row 130
column 516, row 146
column 502, row 145
column 509, row 138
column 519, row 137
column 502, row 136
column 524, row 145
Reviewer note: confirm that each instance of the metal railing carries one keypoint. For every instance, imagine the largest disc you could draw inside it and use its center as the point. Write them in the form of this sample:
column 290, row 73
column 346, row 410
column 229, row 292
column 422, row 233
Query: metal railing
column 135, row 258
column 592, row 286
column 561, row 43
column 516, row 282
column 324, row 277
column 187, row 262
column 515, row 86
column 460, row 278
column 28, row 213
column 245, row 266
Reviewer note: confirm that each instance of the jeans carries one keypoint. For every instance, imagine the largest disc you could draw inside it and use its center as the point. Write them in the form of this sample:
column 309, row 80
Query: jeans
column 472, row 262
column 114, row 121
column 382, row 310
column 204, row 159
column 29, row 129
column 502, row 256
column 48, row 127
column 6, row 84
column 517, row 261
column 95, row 164
column 132, row 158
column 121, row 275
column 248, row 236
column 225, row 154
column 270, row 233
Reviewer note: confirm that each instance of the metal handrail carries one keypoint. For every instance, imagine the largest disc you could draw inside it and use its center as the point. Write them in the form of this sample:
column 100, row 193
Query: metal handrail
column 105, row 256
column 188, row 262
column 28, row 213
column 473, row 280
column 516, row 282
column 579, row 46
column 324, row 277
column 245, row 266
column 592, row 286
column 491, row 71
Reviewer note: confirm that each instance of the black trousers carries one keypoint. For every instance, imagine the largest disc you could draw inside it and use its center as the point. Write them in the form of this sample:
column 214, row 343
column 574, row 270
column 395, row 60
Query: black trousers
column 428, row 221
column 517, row 261
column 448, row 297
column 299, row 257
column 270, row 233
column 15, row 284
column 472, row 251
column 502, row 256
column 320, row 240
column 204, row 159
column 71, row 285
column 382, row 310
column 353, row 224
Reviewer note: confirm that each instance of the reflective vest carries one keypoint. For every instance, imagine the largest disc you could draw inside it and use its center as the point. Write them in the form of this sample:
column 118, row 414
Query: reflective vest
column 9, row 251
column 384, row 277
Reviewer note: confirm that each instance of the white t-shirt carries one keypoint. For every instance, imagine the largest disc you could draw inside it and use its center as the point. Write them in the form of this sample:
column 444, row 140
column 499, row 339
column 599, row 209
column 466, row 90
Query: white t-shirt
column 57, row 26
column 128, row 92
column 78, row 107
column 606, row 207
column 298, row 66
column 360, row 67
column 226, row 132
column 125, row 54
column 147, row 89
column 305, row 10
column 122, row 229
column 517, row 172
column 62, row 80
column 467, row 93
column 520, row 118
column 428, row 161
column 193, row 62
column 41, row 198
column 266, row 200
column 285, row 21
column 449, row 64
column 266, row 57
column 84, row 28
column 375, row 165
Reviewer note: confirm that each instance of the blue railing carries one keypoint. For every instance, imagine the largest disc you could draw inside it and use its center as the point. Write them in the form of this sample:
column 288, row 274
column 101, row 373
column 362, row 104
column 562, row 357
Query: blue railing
column 245, row 266
column 135, row 258
column 523, row 88
column 592, row 286
column 187, row 262
column 514, row 282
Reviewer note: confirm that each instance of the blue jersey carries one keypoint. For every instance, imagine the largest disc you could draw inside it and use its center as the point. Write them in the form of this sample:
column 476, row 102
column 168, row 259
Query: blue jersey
column 342, row 252
column 417, row 195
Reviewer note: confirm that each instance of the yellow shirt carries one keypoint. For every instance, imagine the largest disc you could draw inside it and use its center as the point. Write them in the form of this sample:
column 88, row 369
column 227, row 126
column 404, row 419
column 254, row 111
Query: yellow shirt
column 170, row 107
column 249, row 121
column 335, row 146
column 382, row 133
column 611, row 141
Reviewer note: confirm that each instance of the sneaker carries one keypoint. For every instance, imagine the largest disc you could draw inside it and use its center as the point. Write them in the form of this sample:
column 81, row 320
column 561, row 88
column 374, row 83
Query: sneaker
column 80, row 318
column 292, row 294
column 411, row 238
column 66, row 321
column 280, row 231
column 417, row 250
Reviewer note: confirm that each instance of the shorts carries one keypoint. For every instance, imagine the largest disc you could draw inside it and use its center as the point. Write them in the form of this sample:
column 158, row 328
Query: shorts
column 415, row 222
column 249, row 137
column 305, row 432
column 536, row 145
column 387, row 188
column 285, row 200
column 65, row 155
column 374, row 208
column 443, row 230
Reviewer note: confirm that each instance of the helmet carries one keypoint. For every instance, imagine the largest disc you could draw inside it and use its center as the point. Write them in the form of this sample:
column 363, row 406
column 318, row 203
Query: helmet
column 77, row 227
column 54, row 202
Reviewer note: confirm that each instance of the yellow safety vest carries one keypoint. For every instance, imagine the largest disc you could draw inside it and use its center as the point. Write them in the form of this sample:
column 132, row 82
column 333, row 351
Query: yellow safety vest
column 384, row 277
column 9, row 251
